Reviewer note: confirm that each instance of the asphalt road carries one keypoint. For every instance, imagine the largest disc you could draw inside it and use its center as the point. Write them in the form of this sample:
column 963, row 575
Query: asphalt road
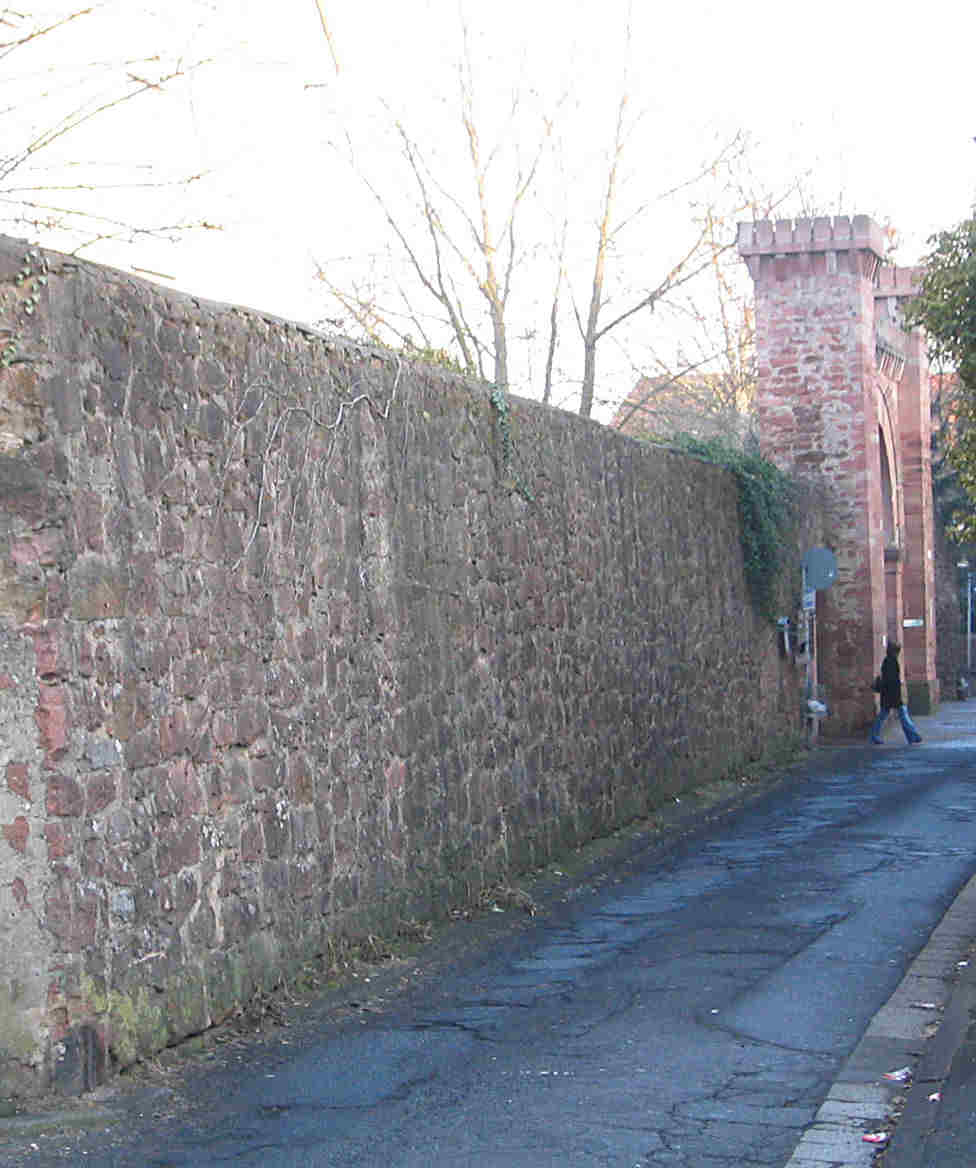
column 688, row 1007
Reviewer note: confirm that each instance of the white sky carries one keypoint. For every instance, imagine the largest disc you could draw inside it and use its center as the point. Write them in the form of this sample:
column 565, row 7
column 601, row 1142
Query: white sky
column 876, row 103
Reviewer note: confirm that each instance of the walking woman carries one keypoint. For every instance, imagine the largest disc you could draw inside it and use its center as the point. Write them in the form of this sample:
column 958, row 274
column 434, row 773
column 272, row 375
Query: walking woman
column 891, row 698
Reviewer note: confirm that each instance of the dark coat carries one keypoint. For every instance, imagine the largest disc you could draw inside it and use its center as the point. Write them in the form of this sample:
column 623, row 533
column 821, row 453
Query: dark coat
column 890, row 683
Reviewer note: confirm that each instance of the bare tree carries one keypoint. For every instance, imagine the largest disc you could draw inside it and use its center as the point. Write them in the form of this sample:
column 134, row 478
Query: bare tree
column 39, row 198
column 320, row 5
column 456, row 242
column 553, row 338
column 695, row 255
column 543, row 240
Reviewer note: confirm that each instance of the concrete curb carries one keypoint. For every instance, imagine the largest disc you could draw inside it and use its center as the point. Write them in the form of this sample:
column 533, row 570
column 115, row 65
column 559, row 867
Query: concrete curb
column 919, row 1124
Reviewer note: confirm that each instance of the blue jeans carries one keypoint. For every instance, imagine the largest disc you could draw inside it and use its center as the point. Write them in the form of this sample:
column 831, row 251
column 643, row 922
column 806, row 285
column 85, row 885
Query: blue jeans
column 911, row 730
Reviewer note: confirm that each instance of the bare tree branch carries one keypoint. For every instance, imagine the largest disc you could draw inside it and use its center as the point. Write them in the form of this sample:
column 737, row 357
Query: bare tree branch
column 320, row 5
column 82, row 115
column 462, row 235
column 590, row 334
column 554, row 318
column 8, row 47
column 134, row 80
column 679, row 274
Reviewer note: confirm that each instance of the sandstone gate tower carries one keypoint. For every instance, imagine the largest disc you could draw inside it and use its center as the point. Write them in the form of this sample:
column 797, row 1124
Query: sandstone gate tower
column 843, row 401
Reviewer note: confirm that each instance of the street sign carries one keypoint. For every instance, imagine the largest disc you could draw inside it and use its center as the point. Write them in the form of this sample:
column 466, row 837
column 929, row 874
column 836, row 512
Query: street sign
column 819, row 567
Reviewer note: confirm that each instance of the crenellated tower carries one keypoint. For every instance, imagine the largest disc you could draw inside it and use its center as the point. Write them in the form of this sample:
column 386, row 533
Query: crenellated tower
column 842, row 400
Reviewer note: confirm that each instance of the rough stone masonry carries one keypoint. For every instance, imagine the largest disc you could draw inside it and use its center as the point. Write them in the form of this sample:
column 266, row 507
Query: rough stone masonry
column 293, row 645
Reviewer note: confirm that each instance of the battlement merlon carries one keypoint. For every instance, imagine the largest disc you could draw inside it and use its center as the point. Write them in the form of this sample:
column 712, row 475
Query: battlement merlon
column 792, row 237
column 898, row 282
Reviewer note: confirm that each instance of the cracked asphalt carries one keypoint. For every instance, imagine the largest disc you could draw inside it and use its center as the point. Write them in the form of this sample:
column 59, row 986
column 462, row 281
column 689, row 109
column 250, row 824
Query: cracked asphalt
column 689, row 999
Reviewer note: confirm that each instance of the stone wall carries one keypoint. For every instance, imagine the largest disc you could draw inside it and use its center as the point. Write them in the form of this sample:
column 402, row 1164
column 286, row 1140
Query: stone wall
column 297, row 640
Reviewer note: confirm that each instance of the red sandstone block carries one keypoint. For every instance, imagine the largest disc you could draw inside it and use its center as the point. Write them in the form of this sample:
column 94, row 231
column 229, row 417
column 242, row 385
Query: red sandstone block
column 306, row 880
column 173, row 733
column 40, row 547
column 92, row 866
column 59, row 917
column 18, row 779
column 64, row 796
column 301, row 785
column 265, row 772
column 52, row 720
column 16, row 833
column 185, row 786
column 118, row 869
column 396, row 777
column 19, row 890
column 177, row 846
column 252, row 721
column 171, row 537
column 252, row 840
column 357, row 801
column 88, row 520
column 23, row 552
column 224, row 728
column 230, row 783
column 59, row 841
column 326, row 822
column 49, row 653
column 84, row 924
column 86, row 656
column 100, row 791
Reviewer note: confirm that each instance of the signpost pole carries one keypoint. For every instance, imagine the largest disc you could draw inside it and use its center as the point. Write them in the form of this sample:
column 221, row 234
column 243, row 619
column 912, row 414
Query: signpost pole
column 819, row 568
column 809, row 617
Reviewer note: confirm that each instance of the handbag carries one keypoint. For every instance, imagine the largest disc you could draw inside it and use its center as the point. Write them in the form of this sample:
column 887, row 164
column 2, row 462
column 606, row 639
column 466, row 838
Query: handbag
column 876, row 684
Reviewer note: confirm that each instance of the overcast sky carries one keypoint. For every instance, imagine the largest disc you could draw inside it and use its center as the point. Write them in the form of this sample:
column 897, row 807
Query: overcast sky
column 872, row 105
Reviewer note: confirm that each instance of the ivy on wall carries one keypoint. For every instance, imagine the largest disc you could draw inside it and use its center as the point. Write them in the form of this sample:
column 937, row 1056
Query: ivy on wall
column 20, row 300
column 766, row 515
column 506, row 442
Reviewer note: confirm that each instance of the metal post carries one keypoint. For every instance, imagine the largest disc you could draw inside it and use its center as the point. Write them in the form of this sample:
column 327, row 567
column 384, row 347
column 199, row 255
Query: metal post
column 809, row 619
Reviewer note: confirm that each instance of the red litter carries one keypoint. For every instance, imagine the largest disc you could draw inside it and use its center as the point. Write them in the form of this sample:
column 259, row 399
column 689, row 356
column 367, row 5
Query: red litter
column 875, row 1137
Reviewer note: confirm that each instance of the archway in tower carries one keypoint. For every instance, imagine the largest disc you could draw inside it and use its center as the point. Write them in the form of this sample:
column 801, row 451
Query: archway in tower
column 890, row 542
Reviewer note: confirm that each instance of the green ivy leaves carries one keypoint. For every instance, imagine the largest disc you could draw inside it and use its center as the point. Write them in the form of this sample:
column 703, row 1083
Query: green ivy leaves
column 766, row 514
